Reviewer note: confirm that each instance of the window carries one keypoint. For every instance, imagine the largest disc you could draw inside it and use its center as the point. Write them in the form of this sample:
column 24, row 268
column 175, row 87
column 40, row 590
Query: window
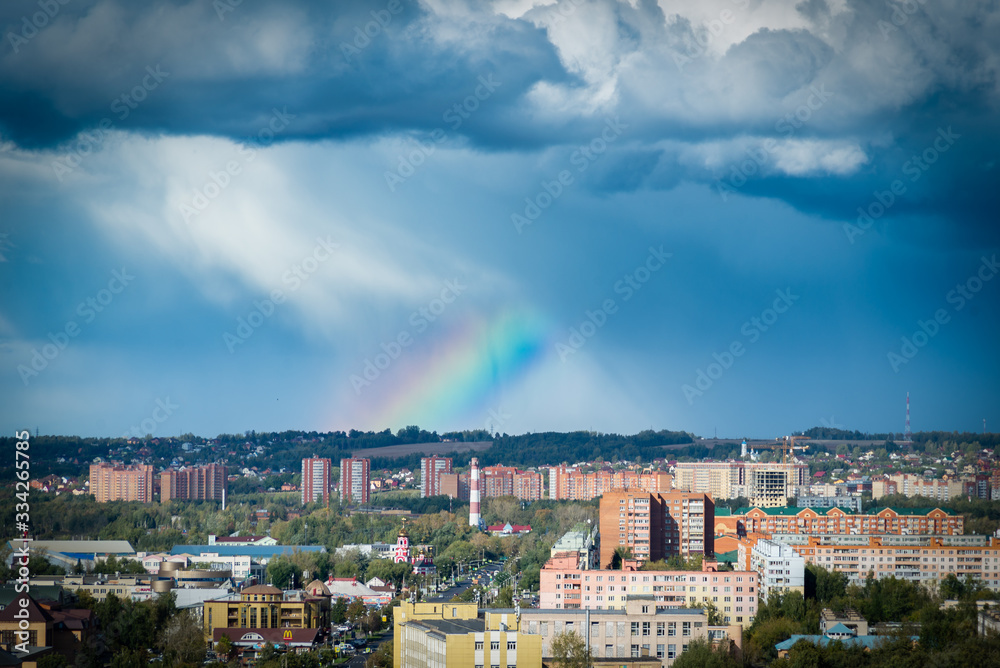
column 645, row 628
column 659, row 651
column 479, row 645
column 645, row 609
column 454, row 612
column 686, row 628
column 635, row 628
column 511, row 644
column 671, row 651
column 660, row 628
column 635, row 650
column 493, row 645
column 672, row 629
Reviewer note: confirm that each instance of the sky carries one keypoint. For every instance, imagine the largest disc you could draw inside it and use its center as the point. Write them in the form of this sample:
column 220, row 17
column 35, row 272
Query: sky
column 732, row 217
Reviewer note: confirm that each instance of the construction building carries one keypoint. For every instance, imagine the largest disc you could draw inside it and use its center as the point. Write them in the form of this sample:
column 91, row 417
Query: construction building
column 568, row 482
column 116, row 482
column 766, row 484
column 564, row 585
column 656, row 525
column 355, row 480
column 914, row 485
column 431, row 469
column 316, row 480
column 194, row 483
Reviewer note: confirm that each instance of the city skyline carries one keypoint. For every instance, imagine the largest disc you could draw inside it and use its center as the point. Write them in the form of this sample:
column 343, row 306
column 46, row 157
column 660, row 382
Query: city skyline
column 717, row 217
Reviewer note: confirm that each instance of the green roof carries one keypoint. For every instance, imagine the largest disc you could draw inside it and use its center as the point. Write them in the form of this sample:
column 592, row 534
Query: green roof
column 728, row 557
column 911, row 511
column 789, row 511
column 723, row 512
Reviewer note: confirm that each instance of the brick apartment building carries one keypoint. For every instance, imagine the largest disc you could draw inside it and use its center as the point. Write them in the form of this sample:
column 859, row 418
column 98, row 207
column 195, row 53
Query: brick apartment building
column 116, row 482
column 431, row 469
column 355, row 480
column 564, row 585
column 316, row 480
column 568, row 482
column 194, row 483
column 656, row 525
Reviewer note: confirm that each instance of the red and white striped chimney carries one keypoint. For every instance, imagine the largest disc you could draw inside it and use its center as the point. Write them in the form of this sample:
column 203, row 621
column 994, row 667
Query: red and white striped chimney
column 474, row 494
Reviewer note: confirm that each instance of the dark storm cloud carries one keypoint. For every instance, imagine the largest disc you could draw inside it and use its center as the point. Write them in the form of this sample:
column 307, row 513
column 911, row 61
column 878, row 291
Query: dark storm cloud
column 889, row 77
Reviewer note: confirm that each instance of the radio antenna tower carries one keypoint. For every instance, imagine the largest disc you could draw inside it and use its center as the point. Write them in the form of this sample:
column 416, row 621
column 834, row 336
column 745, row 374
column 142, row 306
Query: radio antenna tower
column 907, row 435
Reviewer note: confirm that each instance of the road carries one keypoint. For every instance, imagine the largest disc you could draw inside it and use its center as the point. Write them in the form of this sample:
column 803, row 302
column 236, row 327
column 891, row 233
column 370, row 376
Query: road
column 462, row 585
column 358, row 660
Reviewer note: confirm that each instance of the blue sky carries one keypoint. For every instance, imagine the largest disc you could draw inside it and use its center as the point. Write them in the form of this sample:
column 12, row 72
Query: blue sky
column 749, row 217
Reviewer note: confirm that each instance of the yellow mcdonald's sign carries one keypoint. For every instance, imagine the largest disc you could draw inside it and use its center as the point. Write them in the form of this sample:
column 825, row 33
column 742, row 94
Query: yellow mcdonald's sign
column 287, row 635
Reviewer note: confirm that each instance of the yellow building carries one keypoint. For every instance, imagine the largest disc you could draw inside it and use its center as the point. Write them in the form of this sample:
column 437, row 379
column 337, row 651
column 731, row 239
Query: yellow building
column 458, row 635
column 266, row 607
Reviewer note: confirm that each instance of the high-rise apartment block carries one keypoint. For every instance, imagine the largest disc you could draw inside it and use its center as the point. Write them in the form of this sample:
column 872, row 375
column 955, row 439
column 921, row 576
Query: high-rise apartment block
column 455, row 485
column 568, row 482
column 355, row 480
column 431, row 469
column 115, row 482
column 656, row 525
column 528, row 486
column 316, row 480
column 194, row 483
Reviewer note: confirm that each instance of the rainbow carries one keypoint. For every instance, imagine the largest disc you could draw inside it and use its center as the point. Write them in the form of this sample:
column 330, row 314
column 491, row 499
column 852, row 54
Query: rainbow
column 449, row 382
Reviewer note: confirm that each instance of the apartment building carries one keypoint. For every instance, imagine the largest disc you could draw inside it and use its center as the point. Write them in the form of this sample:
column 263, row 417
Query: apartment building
column 316, row 480
column 355, row 480
column 566, row 586
column 779, row 567
column 837, row 521
column 836, row 501
column 914, row 485
column 455, row 485
column 431, row 469
column 656, row 525
column 528, row 486
column 194, row 483
column 924, row 559
column 570, row 483
column 116, row 482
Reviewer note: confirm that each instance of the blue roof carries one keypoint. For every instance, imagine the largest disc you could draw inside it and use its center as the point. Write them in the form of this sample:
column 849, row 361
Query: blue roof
column 839, row 629
column 868, row 642
column 263, row 551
